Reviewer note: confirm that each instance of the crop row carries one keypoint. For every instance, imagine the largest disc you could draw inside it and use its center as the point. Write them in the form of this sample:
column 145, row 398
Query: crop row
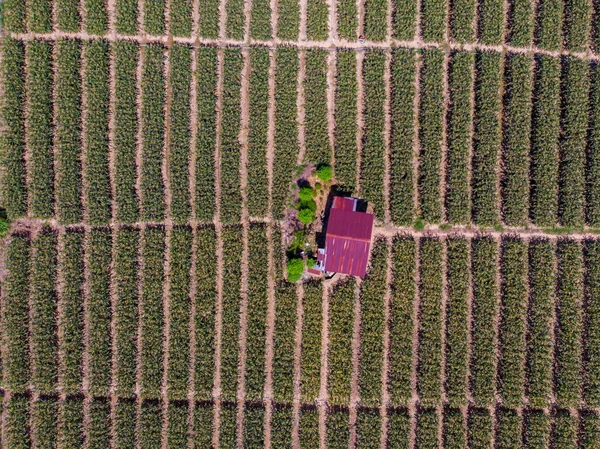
column 318, row 150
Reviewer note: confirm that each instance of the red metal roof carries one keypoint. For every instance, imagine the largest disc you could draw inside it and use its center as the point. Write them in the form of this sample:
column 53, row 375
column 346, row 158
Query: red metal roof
column 341, row 202
column 348, row 241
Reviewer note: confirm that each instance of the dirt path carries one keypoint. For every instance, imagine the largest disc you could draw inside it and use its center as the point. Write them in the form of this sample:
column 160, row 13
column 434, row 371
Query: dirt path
column 303, row 6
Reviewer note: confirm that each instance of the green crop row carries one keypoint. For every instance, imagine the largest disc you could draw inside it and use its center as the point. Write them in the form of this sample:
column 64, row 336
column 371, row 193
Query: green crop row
column 13, row 116
column 154, row 17
column 260, row 20
column 177, row 429
column 67, row 130
column 591, row 386
column 15, row 314
column 283, row 342
column 454, row 426
column 592, row 181
column 399, row 429
column 542, row 285
column 99, row 248
column 402, row 319
column 590, row 430
column 569, row 319
column 180, row 12
column 484, row 311
column 404, row 19
column 372, row 307
column 402, row 208
column 368, row 429
column 317, row 18
column 457, row 313
column 486, row 138
column 512, row 328
column 203, row 425
column 480, row 429
column 433, row 20
column 227, row 431
column 430, row 315
column 95, row 18
column 257, row 311
column 96, row 180
column 179, row 133
column 39, row 129
column 126, row 21
column 70, row 424
column 564, row 430
column 312, row 305
column 150, row 425
column 124, row 419
column 153, row 133
column 151, row 318
column 206, row 87
column 232, row 257
column 126, row 309
column 490, row 22
column 318, row 150
column 341, row 325
column 309, row 428
column 206, row 291
column 544, row 141
column 460, row 81
column 430, row 135
column 536, row 429
column 517, row 140
column 70, row 322
column 98, row 427
column 125, row 55
column 574, row 126
column 548, row 32
column 278, row 252
column 281, row 426
column 427, row 428
column 13, row 16
column 372, row 170
column 509, row 427
column 67, row 15
column 286, row 128
column 462, row 19
column 347, row 20
column 15, row 429
column 234, row 10
column 375, row 20
column 208, row 25
column 521, row 23
column 39, row 16
column 258, row 182
column 577, row 26
column 253, row 432
column 345, row 119
column 338, row 429
column 180, row 260
column 231, row 200
column 43, row 333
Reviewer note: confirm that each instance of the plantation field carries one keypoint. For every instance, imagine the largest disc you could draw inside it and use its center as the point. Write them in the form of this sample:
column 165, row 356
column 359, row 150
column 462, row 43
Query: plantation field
column 149, row 151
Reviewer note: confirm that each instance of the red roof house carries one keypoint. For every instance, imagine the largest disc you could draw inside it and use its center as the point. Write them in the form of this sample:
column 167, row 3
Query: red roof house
column 348, row 239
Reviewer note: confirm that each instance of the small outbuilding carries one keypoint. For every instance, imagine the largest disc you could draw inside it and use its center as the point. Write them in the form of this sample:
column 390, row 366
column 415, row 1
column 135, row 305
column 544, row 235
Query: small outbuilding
column 348, row 239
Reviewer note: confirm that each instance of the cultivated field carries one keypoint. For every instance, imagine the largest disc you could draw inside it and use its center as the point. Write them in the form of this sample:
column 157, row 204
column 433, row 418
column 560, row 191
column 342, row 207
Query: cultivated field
column 149, row 149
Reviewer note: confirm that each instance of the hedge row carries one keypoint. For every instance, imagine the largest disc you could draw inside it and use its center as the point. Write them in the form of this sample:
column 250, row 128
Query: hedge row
column 402, row 134
column 67, row 130
column 591, row 360
column 318, row 150
column 375, row 20
column 484, row 311
column 152, row 319
column 433, row 20
column 460, row 119
column 260, row 20
column 569, row 324
column 592, row 182
column 457, row 315
column 312, row 304
column 430, row 135
column 521, row 23
column 15, row 314
column 125, row 56
column 486, row 138
column 577, row 25
column 372, row 309
column 514, row 182
column 368, row 428
column 95, row 19
column 180, row 260
column 126, row 20
column 96, row 179
column 258, row 273
column 153, row 133
column 258, row 182
column 540, row 344
column 98, row 310
column 283, row 342
column 180, row 12
column 232, row 257
column 574, row 125
column 70, row 322
column 43, row 332
column 231, row 199
column 13, row 115
column 126, row 309
column 548, row 31
column 154, row 17
column 338, row 429
column 372, row 170
column 288, row 23
column 345, row 119
column 402, row 319
column 490, row 22
column 309, row 428
column 513, row 322
column 317, row 20
column 206, row 292
column 347, row 19
column 462, row 17
column 544, row 141
column 286, row 128
column 206, row 91
column 39, row 129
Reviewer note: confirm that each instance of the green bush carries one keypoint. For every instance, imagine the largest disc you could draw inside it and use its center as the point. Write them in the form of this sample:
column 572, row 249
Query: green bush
column 325, row 173
column 295, row 268
column 306, row 216
column 306, row 193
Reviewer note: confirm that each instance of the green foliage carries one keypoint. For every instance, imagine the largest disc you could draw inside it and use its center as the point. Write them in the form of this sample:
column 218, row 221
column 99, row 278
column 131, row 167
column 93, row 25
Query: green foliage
column 38, row 128
column 458, row 195
column 521, row 23
column 95, row 20
column 491, row 21
column 454, row 434
column 509, row 431
column 149, row 434
column 177, row 429
column 318, row 150
column 260, row 20
column 13, row 16
column 312, row 304
column 152, row 136
column 592, row 181
column 480, row 429
column 295, row 269
column 404, row 19
column 433, row 20
column 306, row 213
column 375, row 19
column 347, row 19
column 15, row 432
column 208, row 25
column 154, row 17
column 341, row 324
column 345, row 119
column 306, row 193
column 98, row 428
column 338, row 429
column 283, row 342
column 590, row 430
column 536, row 429
column 548, row 32
column 591, row 386
column 402, row 319
column 39, row 16
column 68, row 17
column 180, row 12
column 427, row 429
column 373, row 152
column 235, row 19
column 281, row 426
column 565, row 430
column 126, row 17
column 368, row 428
column 253, row 434
column 577, row 24
column 462, row 19
column 70, row 424
column 317, row 20
column 124, row 418
column 203, row 417
column 309, row 428
column 289, row 20
column 399, row 429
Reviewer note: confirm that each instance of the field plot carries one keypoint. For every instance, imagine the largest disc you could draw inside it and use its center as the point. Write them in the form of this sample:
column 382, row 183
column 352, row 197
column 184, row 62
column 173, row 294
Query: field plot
column 150, row 154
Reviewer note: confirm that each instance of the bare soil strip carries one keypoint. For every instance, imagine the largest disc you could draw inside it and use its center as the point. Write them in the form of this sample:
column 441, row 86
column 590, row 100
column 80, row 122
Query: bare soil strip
column 297, row 367
column 303, row 5
column 354, row 383
column 385, row 374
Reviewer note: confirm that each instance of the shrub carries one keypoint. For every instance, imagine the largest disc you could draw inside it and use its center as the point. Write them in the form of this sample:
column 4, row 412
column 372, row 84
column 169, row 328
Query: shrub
column 295, row 269
column 306, row 216
column 306, row 194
